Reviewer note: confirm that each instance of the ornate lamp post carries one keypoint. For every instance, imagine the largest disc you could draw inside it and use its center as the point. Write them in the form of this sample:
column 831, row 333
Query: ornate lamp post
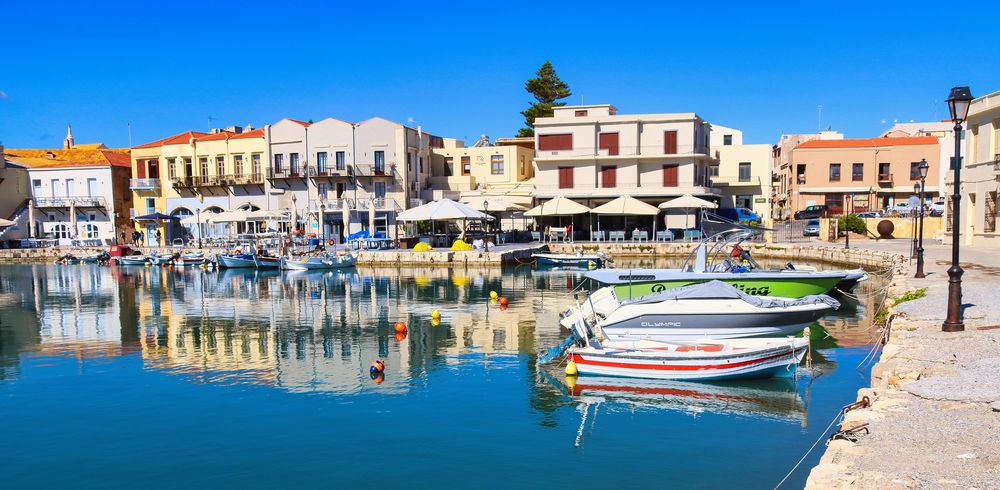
column 198, row 210
column 486, row 241
column 923, row 167
column 958, row 104
column 847, row 225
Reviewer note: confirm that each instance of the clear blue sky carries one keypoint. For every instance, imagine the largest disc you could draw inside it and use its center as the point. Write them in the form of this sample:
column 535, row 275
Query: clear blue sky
column 459, row 69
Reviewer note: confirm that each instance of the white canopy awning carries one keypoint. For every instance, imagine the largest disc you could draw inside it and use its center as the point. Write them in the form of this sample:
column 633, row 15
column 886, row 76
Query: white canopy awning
column 626, row 205
column 687, row 201
column 193, row 219
column 557, row 206
column 491, row 204
column 443, row 210
column 261, row 215
column 227, row 217
column 6, row 222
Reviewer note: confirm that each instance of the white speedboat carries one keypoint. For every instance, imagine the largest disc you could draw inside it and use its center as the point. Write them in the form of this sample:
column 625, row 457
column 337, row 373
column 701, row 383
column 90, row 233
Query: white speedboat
column 713, row 310
column 580, row 260
column 133, row 260
column 329, row 261
column 236, row 261
column 698, row 360
column 266, row 261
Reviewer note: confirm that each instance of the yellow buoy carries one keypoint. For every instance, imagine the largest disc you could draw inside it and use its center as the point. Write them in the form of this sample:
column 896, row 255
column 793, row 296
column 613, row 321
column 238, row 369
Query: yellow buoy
column 435, row 322
column 570, row 368
column 435, row 314
column 494, row 295
column 571, row 382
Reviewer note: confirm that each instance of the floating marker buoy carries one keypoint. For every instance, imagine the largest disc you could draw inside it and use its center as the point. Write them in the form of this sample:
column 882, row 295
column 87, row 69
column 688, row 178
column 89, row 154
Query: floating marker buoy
column 436, row 314
column 377, row 367
column 493, row 301
column 494, row 295
column 571, row 368
column 503, row 301
column 378, row 378
column 435, row 322
column 401, row 336
column 590, row 264
column 400, row 327
column 571, row 383
column 503, row 307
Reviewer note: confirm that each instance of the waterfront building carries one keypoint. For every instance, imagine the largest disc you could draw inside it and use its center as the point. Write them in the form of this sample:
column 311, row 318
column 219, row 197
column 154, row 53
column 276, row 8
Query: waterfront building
column 374, row 169
column 78, row 192
column 592, row 154
column 743, row 172
column 783, row 171
column 197, row 174
column 944, row 130
column 483, row 170
column 14, row 193
column 980, row 175
column 855, row 175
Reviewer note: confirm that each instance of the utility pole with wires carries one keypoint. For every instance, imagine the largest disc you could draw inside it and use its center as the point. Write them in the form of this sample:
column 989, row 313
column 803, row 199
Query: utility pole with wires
column 130, row 134
column 210, row 121
column 819, row 118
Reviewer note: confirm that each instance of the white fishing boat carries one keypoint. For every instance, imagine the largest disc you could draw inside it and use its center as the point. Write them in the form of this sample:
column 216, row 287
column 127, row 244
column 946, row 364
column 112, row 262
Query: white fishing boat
column 698, row 360
column 236, row 261
column 133, row 259
column 266, row 261
column 190, row 259
column 714, row 310
column 329, row 261
column 580, row 260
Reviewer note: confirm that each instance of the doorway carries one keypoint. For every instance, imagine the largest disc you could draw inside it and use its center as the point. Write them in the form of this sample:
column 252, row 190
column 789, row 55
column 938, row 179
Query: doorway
column 970, row 219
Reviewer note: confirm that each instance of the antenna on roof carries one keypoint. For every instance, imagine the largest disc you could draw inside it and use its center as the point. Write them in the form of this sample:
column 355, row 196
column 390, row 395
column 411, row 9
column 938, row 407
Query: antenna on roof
column 130, row 134
column 210, row 119
column 819, row 117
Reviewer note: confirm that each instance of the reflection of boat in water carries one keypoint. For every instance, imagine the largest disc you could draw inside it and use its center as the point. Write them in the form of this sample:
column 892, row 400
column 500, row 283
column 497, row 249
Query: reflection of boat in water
column 578, row 260
column 777, row 397
column 326, row 262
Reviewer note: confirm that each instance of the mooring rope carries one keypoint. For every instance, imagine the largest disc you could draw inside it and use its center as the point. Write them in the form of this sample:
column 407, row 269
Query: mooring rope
column 806, row 455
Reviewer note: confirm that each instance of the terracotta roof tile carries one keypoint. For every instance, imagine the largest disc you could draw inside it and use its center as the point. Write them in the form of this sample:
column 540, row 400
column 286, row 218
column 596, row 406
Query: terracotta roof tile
column 177, row 139
column 870, row 142
column 303, row 123
column 75, row 157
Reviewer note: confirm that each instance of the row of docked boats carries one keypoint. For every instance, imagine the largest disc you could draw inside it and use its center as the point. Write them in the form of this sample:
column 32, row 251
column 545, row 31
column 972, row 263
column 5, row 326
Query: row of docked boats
column 244, row 258
column 719, row 316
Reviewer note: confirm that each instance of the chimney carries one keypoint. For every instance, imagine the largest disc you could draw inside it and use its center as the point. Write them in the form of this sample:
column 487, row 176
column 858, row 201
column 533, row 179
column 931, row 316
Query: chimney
column 68, row 142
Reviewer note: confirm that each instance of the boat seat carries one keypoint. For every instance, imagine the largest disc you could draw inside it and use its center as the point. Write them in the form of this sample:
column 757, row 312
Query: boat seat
column 700, row 348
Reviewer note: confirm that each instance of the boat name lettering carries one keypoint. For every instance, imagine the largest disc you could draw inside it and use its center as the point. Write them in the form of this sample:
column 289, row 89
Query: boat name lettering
column 660, row 324
column 754, row 291
column 658, row 288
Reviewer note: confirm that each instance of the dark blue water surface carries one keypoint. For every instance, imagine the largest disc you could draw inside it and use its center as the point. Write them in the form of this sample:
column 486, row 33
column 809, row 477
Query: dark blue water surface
column 157, row 378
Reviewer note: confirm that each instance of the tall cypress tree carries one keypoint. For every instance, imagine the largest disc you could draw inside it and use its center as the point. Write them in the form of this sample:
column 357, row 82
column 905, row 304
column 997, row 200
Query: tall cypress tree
column 547, row 88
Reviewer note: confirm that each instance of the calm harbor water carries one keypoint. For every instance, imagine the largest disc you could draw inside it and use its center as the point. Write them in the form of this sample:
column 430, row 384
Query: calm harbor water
column 161, row 378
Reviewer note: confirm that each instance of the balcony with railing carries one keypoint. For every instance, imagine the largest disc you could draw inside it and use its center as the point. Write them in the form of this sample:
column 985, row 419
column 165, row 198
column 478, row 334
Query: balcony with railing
column 285, row 173
column 376, row 170
column 327, row 172
column 734, row 180
column 144, row 185
column 243, row 179
column 800, row 179
column 628, row 151
column 885, row 178
column 66, row 202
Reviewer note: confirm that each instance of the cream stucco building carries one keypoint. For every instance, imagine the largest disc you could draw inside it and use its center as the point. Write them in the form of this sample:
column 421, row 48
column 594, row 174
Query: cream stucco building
column 980, row 175
column 485, row 169
column 743, row 174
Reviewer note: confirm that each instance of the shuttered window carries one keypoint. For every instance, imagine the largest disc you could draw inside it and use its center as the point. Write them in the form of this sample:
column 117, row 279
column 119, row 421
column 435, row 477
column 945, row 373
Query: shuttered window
column 608, row 141
column 565, row 177
column 670, row 176
column 670, row 142
column 609, row 176
column 554, row 142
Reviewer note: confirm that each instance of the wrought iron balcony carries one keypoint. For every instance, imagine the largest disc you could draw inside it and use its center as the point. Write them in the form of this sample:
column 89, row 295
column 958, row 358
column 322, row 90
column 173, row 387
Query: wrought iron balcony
column 144, row 184
column 66, row 202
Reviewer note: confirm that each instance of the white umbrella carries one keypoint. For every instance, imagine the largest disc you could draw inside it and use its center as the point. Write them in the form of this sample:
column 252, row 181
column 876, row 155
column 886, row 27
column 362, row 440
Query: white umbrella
column 6, row 222
column 443, row 210
column 190, row 220
column 346, row 210
column 688, row 203
column 31, row 218
column 558, row 206
column 624, row 206
column 72, row 218
column 371, row 218
column 227, row 217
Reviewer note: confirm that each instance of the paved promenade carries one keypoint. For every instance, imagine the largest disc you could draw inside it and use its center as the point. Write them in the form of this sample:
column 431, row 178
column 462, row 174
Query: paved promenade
column 934, row 421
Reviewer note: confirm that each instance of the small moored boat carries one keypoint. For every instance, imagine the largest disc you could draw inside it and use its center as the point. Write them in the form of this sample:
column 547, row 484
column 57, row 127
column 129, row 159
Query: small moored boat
column 700, row 360
column 329, row 261
column 138, row 259
column 266, row 262
column 236, row 261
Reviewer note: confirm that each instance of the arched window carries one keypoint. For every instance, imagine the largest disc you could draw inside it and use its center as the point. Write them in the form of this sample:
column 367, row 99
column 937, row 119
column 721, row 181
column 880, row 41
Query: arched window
column 90, row 231
column 61, row 230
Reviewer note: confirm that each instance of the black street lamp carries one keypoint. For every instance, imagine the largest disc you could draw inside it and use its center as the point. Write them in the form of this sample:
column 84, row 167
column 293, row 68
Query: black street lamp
column 958, row 104
column 923, row 167
column 486, row 209
column 847, row 225
column 200, row 231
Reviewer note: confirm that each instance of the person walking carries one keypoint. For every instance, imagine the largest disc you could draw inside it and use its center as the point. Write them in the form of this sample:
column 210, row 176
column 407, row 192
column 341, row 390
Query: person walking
column 158, row 237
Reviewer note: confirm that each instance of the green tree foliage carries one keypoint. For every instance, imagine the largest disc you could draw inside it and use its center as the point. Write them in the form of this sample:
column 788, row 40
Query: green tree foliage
column 851, row 222
column 547, row 88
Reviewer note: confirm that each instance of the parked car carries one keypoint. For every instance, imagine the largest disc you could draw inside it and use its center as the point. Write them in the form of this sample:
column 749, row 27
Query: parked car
column 812, row 228
column 937, row 209
column 901, row 208
column 814, row 211
column 870, row 214
column 738, row 214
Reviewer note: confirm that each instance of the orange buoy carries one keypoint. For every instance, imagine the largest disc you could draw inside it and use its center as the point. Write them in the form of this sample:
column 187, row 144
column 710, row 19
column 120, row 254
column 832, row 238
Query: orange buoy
column 503, row 307
column 401, row 336
column 400, row 327
column 503, row 301
column 378, row 378
column 377, row 366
